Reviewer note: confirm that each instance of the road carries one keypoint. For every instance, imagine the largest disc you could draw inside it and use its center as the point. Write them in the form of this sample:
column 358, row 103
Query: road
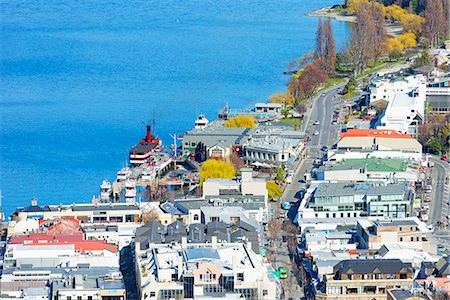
column 441, row 191
column 439, row 204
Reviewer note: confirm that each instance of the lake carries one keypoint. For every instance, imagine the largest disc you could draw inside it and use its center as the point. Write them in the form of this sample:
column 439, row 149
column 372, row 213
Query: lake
column 80, row 78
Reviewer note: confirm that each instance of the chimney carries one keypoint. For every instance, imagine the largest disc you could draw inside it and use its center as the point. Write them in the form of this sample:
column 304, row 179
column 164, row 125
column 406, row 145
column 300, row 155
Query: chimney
column 34, row 202
column 247, row 174
column 148, row 137
column 214, row 242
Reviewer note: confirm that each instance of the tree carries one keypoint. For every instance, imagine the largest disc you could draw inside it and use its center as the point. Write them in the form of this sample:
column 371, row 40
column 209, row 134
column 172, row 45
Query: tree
column 279, row 174
column 237, row 161
column 325, row 52
column 216, row 168
column 273, row 190
column 285, row 98
column 301, row 62
column 306, row 83
column 350, row 86
column 149, row 215
column 435, row 23
column 241, row 122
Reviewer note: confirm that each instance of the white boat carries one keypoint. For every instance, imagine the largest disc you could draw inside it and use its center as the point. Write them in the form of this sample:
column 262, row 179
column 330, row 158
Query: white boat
column 105, row 191
column 148, row 174
column 130, row 191
column 123, row 174
column 201, row 122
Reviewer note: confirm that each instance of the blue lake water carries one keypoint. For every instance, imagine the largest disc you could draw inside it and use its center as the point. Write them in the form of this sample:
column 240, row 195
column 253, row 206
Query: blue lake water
column 79, row 78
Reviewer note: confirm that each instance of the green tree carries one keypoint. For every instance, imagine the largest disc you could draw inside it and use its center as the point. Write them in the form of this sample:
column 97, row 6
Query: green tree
column 273, row 190
column 279, row 174
column 350, row 86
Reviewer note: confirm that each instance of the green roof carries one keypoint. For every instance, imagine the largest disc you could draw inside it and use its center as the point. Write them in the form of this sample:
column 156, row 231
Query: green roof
column 374, row 164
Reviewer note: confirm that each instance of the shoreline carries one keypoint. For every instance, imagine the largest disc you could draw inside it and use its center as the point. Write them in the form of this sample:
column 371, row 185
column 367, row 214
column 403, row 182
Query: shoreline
column 392, row 29
column 326, row 12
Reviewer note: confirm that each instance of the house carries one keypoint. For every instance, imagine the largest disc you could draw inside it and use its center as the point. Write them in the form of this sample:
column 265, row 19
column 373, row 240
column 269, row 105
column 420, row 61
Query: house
column 366, row 279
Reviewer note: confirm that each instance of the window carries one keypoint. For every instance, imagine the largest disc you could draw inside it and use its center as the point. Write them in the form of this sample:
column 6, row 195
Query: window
column 240, row 276
column 79, row 298
column 401, row 239
column 89, row 297
column 174, row 277
column 412, row 239
column 195, row 217
column 69, row 298
column 265, row 292
column 403, row 276
column 152, row 294
column 282, row 156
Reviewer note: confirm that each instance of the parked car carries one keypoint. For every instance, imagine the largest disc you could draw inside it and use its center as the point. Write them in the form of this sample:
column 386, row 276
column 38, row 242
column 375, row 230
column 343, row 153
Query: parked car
column 283, row 272
column 324, row 148
column 316, row 123
column 316, row 132
column 444, row 157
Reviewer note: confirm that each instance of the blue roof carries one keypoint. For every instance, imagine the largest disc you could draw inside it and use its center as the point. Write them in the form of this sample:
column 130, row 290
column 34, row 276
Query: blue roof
column 199, row 253
column 169, row 208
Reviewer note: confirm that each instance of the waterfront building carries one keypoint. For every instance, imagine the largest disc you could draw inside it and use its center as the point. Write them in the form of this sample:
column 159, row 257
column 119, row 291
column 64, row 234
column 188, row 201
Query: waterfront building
column 203, row 270
column 100, row 213
column 366, row 279
column 438, row 94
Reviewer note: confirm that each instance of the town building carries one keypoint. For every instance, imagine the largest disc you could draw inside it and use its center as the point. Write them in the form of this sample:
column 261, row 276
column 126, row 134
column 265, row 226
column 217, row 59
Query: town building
column 352, row 200
column 403, row 113
column 410, row 232
column 101, row 213
column 260, row 111
column 381, row 140
column 367, row 279
column 203, row 270
column 364, row 169
column 386, row 88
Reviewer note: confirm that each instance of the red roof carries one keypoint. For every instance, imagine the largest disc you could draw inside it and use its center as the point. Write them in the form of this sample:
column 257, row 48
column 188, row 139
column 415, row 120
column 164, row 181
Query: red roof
column 382, row 133
column 83, row 246
column 40, row 237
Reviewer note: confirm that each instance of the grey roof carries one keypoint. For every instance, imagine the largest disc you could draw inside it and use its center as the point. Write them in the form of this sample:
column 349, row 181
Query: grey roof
column 32, row 208
column 369, row 266
column 351, row 189
column 102, row 207
column 223, row 136
column 175, row 231
column 394, row 222
column 400, row 294
column 197, row 233
column 152, row 231
column 443, row 266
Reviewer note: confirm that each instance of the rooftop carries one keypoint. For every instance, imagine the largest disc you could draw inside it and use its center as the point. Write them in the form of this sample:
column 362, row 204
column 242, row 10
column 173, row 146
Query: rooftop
column 351, row 189
column 373, row 133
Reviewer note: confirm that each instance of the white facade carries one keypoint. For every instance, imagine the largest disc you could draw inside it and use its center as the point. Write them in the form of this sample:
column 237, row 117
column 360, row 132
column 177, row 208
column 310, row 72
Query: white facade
column 403, row 114
column 385, row 89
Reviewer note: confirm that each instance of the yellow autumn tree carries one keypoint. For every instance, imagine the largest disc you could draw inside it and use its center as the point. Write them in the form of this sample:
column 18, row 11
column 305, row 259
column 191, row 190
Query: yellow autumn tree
column 273, row 190
column 216, row 168
column 352, row 6
column 407, row 39
column 393, row 44
column 285, row 98
column 241, row 122
column 409, row 21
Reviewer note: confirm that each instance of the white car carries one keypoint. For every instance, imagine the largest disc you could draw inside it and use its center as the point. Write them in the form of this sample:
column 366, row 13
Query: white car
column 316, row 123
column 316, row 132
